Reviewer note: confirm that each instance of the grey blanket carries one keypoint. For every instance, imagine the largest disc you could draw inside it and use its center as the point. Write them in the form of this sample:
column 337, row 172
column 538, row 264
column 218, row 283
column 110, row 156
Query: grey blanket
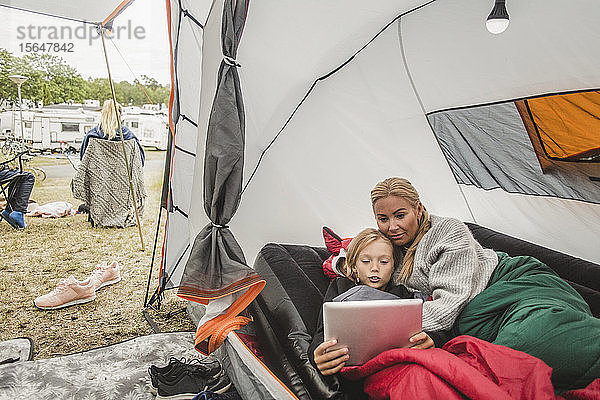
column 115, row 372
column 101, row 182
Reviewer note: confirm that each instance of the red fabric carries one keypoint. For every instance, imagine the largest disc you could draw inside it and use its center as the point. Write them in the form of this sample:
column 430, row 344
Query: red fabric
column 466, row 367
column 591, row 392
column 253, row 345
column 334, row 244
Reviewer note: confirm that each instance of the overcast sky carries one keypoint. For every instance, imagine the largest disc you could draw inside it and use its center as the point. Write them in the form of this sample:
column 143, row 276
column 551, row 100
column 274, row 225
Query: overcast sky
column 142, row 41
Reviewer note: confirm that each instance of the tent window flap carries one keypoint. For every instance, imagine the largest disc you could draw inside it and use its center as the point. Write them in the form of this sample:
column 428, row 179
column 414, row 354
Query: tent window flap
column 567, row 125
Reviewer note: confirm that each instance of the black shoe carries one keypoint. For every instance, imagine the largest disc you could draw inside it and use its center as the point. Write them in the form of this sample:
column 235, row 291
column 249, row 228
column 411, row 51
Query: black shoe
column 206, row 368
column 229, row 395
column 219, row 384
column 190, row 384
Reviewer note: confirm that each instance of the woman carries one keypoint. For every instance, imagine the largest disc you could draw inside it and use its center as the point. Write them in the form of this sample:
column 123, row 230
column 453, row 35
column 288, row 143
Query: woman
column 518, row 302
column 109, row 129
column 370, row 261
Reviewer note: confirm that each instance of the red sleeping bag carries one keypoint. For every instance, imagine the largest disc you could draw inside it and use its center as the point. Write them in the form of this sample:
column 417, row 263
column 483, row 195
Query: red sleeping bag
column 466, row 367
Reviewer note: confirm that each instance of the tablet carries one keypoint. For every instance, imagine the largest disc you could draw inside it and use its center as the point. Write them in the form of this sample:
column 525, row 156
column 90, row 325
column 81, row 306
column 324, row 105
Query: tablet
column 370, row 327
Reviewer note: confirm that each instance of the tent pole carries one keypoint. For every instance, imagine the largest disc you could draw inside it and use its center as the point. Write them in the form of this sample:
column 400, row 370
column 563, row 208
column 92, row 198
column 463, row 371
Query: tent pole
column 153, row 254
column 114, row 98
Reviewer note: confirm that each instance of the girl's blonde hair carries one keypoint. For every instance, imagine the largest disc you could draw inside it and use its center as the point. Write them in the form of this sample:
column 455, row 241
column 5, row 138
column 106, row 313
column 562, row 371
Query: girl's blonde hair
column 401, row 187
column 109, row 123
column 357, row 245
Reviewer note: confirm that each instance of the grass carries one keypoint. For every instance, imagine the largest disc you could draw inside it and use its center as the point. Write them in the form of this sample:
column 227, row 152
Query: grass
column 34, row 260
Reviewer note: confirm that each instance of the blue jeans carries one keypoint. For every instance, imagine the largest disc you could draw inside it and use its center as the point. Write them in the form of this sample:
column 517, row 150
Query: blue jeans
column 21, row 186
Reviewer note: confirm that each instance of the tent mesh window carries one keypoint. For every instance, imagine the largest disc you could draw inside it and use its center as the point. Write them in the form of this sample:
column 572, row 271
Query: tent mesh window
column 564, row 127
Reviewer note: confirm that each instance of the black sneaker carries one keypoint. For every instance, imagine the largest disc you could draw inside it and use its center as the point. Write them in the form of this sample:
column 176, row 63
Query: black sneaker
column 219, row 384
column 229, row 395
column 206, row 368
column 190, row 384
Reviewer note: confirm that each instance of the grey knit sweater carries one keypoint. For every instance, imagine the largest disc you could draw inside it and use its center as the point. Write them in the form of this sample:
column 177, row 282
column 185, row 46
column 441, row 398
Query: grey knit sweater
column 452, row 267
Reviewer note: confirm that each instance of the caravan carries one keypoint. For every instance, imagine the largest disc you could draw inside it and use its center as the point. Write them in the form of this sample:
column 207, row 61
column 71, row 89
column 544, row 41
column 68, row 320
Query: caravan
column 54, row 128
column 62, row 127
column 148, row 124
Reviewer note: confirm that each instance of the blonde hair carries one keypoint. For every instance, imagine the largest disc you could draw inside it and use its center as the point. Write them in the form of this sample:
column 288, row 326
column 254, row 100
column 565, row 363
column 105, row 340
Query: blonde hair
column 357, row 245
column 401, row 187
column 109, row 123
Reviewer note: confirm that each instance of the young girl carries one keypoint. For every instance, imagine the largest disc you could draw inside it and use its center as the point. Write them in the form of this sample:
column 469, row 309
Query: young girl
column 370, row 261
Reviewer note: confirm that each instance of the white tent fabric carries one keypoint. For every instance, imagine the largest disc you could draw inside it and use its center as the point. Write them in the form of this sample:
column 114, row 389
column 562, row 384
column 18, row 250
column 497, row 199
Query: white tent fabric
column 81, row 10
column 366, row 121
column 345, row 137
column 455, row 62
column 187, row 20
column 336, row 97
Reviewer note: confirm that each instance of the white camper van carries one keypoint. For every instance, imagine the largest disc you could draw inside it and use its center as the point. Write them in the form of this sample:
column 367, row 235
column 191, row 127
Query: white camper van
column 6, row 124
column 148, row 124
column 54, row 128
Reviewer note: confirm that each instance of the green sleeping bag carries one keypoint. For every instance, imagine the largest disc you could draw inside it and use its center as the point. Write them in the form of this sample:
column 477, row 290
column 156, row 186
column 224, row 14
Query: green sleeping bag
column 527, row 307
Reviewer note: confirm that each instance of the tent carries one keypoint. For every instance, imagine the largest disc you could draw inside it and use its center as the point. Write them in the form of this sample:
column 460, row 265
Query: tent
column 285, row 114
column 414, row 89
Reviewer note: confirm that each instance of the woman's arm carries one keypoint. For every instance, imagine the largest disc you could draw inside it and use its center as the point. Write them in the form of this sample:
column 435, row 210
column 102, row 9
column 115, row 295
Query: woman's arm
column 459, row 269
column 91, row 133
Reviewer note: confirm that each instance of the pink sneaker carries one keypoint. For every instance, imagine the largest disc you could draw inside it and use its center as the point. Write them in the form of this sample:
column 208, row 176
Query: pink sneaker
column 68, row 292
column 105, row 275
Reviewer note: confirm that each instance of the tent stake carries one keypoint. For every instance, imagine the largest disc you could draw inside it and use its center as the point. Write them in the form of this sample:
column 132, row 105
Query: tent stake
column 101, row 30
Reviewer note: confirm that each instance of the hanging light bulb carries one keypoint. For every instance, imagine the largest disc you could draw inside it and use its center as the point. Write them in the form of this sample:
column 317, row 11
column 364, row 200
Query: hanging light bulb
column 497, row 21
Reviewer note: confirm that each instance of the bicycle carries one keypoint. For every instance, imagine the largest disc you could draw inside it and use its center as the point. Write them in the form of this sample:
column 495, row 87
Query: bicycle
column 12, row 147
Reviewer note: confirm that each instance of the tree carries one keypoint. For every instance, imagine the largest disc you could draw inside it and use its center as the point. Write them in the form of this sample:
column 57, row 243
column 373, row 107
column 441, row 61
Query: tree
column 8, row 90
column 53, row 81
column 58, row 81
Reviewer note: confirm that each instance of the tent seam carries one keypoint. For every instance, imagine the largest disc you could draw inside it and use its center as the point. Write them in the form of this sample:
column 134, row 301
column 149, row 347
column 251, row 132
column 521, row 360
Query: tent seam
column 323, row 77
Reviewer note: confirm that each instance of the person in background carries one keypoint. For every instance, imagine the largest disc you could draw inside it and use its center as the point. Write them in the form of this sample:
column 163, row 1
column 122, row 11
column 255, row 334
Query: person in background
column 22, row 184
column 370, row 261
column 109, row 129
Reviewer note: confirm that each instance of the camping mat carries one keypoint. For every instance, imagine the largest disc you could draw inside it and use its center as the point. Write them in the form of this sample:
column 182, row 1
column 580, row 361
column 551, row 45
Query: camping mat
column 118, row 371
column 16, row 350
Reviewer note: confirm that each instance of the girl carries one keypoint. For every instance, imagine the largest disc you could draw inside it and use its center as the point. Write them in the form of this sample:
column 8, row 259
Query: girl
column 370, row 261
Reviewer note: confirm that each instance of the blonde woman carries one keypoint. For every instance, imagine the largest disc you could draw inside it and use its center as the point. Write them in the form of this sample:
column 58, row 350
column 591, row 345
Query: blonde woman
column 518, row 302
column 109, row 129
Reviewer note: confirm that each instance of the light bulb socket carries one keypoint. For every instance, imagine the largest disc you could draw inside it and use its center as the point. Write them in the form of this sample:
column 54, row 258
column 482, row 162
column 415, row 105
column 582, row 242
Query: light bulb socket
column 499, row 11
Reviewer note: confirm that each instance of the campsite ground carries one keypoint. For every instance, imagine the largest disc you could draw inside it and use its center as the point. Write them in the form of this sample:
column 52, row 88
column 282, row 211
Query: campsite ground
column 34, row 260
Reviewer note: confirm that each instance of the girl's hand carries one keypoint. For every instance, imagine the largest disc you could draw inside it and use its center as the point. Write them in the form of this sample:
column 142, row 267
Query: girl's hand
column 421, row 341
column 330, row 362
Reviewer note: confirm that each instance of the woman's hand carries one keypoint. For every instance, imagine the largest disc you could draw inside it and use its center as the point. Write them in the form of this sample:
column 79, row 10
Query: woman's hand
column 330, row 362
column 421, row 341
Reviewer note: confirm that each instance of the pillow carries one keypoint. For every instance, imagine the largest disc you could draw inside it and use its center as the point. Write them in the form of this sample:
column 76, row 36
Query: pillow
column 337, row 246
